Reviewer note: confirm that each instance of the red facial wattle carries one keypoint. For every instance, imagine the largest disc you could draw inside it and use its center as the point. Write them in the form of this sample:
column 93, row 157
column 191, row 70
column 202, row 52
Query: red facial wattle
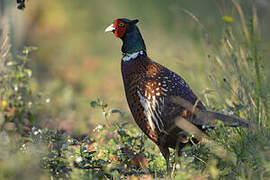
column 120, row 28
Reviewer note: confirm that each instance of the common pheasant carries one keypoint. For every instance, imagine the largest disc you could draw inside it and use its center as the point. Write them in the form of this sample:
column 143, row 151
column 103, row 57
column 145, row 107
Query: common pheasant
column 149, row 87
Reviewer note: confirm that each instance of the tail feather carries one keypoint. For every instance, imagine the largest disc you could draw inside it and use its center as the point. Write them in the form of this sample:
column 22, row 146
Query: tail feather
column 205, row 117
column 227, row 119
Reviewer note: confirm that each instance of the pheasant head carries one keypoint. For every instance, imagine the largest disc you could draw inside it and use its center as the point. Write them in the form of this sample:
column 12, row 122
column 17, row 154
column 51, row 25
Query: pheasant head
column 128, row 31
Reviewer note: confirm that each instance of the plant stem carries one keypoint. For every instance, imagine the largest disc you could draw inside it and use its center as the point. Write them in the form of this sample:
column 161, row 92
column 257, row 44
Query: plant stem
column 260, row 95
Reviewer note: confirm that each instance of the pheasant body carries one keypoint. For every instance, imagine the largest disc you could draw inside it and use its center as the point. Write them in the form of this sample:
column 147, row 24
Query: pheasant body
column 147, row 86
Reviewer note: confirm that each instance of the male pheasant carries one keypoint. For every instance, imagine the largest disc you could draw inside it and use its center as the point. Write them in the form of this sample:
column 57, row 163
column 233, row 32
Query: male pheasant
column 149, row 86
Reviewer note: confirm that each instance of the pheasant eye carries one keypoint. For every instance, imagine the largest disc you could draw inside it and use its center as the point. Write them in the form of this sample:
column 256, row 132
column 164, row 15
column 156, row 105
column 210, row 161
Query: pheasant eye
column 121, row 24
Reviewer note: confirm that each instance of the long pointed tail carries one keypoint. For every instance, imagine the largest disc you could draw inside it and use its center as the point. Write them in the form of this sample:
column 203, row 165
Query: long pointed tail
column 204, row 117
column 227, row 119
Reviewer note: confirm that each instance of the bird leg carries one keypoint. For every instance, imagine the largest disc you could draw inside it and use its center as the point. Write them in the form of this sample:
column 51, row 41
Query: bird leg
column 166, row 154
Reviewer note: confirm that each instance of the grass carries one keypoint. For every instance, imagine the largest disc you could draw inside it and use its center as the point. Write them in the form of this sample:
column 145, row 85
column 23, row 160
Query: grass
column 116, row 149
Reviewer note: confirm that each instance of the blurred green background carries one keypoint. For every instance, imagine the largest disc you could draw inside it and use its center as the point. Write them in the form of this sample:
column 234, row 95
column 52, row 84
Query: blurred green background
column 77, row 62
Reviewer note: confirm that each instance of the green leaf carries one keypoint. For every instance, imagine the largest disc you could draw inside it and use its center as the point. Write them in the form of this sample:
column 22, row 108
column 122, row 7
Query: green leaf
column 31, row 118
column 93, row 104
column 104, row 105
column 28, row 72
column 99, row 102
column 11, row 63
column 29, row 49
column 115, row 111
column 20, row 75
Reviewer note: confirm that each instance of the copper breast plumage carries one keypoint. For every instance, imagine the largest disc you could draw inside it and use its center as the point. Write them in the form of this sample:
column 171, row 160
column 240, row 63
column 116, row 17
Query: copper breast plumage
column 148, row 86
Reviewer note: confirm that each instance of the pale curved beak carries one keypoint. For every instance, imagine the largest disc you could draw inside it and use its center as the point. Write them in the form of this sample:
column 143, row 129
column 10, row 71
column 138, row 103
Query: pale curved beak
column 110, row 28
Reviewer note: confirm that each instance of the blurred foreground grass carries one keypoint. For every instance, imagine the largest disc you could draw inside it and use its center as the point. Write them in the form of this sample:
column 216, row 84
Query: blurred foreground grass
column 46, row 130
